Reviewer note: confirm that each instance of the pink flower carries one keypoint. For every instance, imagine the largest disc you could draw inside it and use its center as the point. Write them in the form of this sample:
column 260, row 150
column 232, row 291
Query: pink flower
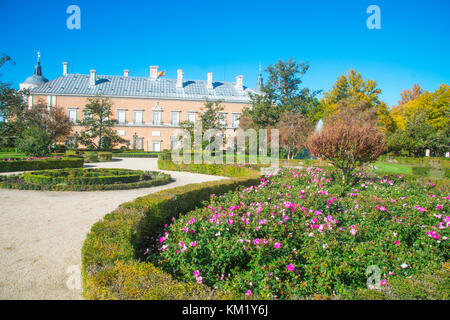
column 199, row 279
column 277, row 245
column 248, row 293
column 230, row 222
column 193, row 244
column 191, row 221
column 404, row 266
column 397, row 242
column 439, row 207
column 290, row 267
column 383, row 282
column 196, row 273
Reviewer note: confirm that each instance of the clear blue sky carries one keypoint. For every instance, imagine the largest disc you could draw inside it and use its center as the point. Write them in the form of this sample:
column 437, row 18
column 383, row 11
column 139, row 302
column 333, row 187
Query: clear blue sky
column 232, row 37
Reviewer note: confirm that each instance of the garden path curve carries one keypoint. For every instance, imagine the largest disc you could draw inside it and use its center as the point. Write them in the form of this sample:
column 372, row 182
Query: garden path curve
column 42, row 232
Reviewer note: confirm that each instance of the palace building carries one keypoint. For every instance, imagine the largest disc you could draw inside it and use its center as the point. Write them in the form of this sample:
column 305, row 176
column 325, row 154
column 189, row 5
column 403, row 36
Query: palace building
column 148, row 109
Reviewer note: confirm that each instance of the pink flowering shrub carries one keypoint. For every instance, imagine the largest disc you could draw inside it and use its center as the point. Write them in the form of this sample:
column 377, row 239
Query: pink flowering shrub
column 291, row 236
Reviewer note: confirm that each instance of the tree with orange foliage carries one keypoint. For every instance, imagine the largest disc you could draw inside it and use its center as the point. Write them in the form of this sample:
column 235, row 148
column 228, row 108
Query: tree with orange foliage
column 294, row 131
column 348, row 140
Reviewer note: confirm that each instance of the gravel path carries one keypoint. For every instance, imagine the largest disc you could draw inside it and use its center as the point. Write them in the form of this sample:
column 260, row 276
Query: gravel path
column 42, row 232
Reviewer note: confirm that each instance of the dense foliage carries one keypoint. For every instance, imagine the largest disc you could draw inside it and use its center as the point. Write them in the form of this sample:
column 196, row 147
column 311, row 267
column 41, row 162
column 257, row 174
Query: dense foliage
column 35, row 163
column 299, row 233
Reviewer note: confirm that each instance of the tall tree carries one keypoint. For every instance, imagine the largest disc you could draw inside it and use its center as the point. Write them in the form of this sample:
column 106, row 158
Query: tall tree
column 356, row 90
column 210, row 118
column 98, row 126
column 53, row 120
column 294, row 131
column 282, row 92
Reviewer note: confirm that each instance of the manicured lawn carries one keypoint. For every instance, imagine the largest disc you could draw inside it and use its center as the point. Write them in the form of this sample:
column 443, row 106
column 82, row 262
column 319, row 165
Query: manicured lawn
column 403, row 169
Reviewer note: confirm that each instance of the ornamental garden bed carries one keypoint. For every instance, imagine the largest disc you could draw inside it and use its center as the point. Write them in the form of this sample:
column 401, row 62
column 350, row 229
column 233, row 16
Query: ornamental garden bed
column 295, row 235
column 299, row 234
column 35, row 163
column 84, row 179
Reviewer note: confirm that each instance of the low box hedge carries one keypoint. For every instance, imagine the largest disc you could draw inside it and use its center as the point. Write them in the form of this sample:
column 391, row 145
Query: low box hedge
column 17, row 182
column 86, row 176
column 28, row 165
column 421, row 171
column 224, row 170
column 111, row 255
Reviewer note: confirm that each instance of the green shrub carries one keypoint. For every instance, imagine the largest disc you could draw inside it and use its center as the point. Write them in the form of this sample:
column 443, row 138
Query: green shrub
column 110, row 267
column 34, row 141
column 40, row 164
column 84, row 180
column 225, row 170
column 104, row 156
column 421, row 171
column 447, row 173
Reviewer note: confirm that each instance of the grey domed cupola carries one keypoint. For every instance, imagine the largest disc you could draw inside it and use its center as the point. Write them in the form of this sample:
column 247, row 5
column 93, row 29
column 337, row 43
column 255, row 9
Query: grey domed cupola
column 37, row 79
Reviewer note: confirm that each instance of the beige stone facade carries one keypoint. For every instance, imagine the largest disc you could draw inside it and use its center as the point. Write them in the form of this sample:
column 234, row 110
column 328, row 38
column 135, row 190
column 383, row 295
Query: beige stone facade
column 153, row 132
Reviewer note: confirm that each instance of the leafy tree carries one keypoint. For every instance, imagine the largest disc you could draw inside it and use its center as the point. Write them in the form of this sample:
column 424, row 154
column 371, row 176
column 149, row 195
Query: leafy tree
column 294, row 131
column 98, row 126
column 12, row 110
column 210, row 118
column 282, row 92
column 53, row 120
column 35, row 141
column 348, row 140
column 355, row 90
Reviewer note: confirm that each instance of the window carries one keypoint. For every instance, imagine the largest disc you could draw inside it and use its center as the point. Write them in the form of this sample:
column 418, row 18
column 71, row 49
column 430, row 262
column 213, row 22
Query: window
column 223, row 118
column 175, row 118
column 156, row 146
column 54, row 101
column 235, row 120
column 121, row 116
column 191, row 116
column 138, row 117
column 72, row 114
column 156, row 118
column 30, row 102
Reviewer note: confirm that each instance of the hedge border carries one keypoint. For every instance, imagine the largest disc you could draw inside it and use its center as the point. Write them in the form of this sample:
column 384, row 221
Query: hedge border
column 111, row 267
column 29, row 165
column 7, row 182
column 103, row 176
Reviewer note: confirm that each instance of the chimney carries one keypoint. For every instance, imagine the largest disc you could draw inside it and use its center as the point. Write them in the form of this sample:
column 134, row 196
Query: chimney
column 179, row 78
column 92, row 77
column 240, row 83
column 126, row 72
column 65, row 68
column 210, row 83
column 153, row 72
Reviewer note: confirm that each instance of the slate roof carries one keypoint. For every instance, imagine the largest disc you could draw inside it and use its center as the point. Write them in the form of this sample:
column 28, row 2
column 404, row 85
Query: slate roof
column 141, row 87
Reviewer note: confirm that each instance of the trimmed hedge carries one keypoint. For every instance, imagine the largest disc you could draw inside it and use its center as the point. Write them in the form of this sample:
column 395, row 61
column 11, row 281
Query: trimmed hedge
column 28, row 165
column 136, row 155
column 111, row 255
column 39, row 181
column 224, row 170
column 84, row 176
column 421, row 171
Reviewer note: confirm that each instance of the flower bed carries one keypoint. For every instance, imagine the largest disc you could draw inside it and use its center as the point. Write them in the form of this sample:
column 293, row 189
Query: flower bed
column 300, row 234
column 34, row 163
column 84, row 179
column 110, row 267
